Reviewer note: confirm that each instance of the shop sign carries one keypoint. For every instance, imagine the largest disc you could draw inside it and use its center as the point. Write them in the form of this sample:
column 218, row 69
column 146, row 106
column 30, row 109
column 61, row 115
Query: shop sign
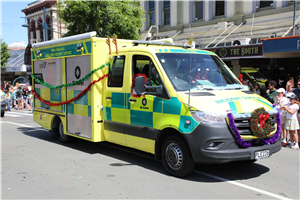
column 238, row 51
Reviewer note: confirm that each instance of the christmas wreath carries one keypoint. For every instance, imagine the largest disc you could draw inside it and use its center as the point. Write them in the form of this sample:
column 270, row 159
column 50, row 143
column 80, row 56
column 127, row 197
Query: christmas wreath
column 260, row 123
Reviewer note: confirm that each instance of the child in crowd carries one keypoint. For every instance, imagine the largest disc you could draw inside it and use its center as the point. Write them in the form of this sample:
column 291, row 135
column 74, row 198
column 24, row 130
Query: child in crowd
column 282, row 101
column 291, row 120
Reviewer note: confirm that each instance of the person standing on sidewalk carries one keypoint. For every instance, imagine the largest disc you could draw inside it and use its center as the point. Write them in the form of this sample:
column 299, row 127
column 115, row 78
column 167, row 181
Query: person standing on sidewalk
column 271, row 92
column 282, row 101
column 291, row 120
column 19, row 96
column 8, row 99
column 296, row 91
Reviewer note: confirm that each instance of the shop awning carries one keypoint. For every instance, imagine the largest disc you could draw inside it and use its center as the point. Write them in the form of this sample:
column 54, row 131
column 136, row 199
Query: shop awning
column 281, row 47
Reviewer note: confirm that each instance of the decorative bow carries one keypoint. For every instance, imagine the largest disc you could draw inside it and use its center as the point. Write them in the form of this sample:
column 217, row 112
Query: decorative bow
column 262, row 119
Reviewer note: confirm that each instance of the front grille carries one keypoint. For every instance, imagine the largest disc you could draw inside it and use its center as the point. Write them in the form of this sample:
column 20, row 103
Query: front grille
column 243, row 125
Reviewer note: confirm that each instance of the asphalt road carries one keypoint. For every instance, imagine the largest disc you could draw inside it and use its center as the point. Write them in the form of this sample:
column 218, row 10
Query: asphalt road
column 34, row 166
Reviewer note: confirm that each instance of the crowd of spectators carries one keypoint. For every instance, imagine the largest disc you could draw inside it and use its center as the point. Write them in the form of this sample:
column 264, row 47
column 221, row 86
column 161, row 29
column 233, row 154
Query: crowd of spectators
column 286, row 96
column 18, row 97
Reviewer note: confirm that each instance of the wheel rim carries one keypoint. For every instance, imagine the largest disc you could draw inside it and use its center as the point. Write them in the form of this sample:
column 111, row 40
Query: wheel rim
column 174, row 156
column 61, row 131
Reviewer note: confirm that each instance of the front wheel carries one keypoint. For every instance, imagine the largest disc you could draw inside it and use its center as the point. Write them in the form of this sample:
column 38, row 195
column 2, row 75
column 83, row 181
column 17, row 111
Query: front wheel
column 176, row 157
column 61, row 135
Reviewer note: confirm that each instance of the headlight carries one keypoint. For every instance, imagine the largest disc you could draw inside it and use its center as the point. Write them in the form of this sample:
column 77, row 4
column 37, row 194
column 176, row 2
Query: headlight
column 201, row 116
column 2, row 97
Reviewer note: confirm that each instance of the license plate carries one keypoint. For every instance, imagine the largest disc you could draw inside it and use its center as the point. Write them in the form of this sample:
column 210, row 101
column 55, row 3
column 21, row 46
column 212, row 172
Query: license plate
column 262, row 154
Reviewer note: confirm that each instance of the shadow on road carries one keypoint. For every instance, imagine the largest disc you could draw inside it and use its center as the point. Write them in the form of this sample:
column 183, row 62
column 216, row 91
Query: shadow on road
column 127, row 156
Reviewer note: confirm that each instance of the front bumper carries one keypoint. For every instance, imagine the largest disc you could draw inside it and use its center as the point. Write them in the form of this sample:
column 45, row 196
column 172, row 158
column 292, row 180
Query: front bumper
column 3, row 105
column 229, row 149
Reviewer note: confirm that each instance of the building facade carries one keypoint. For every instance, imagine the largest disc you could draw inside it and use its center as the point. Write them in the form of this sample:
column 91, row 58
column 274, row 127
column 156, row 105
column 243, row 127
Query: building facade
column 233, row 29
column 36, row 32
column 18, row 67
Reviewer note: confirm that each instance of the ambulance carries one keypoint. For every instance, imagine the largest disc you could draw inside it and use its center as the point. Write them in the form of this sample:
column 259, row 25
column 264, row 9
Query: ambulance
column 180, row 105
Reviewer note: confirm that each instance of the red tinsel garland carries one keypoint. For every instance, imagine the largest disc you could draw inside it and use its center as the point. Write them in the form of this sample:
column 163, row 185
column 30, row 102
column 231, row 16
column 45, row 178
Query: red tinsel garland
column 73, row 99
column 133, row 78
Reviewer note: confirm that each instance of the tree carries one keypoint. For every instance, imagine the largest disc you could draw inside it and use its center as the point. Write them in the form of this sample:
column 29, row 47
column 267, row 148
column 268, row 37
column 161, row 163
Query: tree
column 4, row 55
column 108, row 18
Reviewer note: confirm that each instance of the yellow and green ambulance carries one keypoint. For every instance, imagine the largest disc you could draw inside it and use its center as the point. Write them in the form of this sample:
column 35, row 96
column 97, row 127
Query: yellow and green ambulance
column 181, row 105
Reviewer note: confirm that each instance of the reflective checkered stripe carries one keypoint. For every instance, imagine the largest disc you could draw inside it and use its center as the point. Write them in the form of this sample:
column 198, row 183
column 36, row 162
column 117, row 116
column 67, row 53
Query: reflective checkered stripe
column 157, row 113
column 49, row 95
column 81, row 106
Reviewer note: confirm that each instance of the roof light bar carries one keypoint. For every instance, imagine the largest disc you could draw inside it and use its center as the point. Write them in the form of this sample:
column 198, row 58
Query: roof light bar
column 162, row 43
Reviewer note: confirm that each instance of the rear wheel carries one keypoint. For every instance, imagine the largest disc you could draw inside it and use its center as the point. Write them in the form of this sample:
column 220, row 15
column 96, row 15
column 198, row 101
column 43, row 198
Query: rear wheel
column 61, row 135
column 176, row 157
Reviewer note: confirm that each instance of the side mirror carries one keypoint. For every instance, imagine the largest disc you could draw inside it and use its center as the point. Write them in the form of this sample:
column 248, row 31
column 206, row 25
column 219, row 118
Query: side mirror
column 139, row 85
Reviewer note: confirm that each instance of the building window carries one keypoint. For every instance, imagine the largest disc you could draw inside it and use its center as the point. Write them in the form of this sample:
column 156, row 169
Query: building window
column 199, row 10
column 166, row 6
column 41, row 28
column 263, row 4
column 151, row 12
column 179, row 12
column 49, row 32
column 33, row 29
column 219, row 8
column 238, row 7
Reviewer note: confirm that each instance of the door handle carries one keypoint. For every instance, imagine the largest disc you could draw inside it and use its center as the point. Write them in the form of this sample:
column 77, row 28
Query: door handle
column 132, row 100
column 108, row 98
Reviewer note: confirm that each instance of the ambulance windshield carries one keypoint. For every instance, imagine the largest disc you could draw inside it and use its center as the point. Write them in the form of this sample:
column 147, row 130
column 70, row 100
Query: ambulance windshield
column 197, row 72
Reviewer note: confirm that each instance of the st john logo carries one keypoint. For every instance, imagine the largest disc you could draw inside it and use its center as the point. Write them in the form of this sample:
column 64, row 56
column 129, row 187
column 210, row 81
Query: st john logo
column 144, row 102
column 77, row 72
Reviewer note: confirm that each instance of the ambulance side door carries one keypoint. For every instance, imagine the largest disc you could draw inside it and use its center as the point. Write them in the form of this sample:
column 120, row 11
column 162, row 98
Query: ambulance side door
column 144, row 114
column 114, row 101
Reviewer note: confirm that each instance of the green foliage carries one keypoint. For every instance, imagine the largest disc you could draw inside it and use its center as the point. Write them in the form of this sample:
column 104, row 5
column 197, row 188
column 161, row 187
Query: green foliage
column 108, row 18
column 4, row 54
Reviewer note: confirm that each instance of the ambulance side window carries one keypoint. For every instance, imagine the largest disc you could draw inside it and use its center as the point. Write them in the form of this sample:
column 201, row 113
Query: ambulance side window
column 116, row 72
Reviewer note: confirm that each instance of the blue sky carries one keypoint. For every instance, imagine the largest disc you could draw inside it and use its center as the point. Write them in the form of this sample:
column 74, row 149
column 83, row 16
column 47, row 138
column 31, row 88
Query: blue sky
column 11, row 21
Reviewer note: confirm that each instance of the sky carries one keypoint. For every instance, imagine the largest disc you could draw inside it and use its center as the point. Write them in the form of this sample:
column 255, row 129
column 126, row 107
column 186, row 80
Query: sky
column 11, row 21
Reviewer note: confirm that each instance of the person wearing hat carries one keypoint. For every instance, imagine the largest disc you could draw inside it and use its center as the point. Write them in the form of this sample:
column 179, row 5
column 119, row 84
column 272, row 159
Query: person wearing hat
column 291, row 124
column 282, row 101
column 256, row 88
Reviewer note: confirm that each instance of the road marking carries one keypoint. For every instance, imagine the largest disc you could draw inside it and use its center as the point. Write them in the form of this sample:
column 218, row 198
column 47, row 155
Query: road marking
column 40, row 129
column 242, row 185
column 10, row 115
column 20, row 113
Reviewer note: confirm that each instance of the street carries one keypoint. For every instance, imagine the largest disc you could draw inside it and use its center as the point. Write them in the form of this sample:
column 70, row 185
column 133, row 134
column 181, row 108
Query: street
column 35, row 166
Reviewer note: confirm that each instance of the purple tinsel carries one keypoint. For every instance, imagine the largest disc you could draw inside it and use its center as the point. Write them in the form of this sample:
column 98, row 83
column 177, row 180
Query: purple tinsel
column 237, row 133
column 244, row 144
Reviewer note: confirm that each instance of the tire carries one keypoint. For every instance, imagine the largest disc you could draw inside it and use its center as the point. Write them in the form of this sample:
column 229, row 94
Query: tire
column 176, row 157
column 61, row 135
column 2, row 113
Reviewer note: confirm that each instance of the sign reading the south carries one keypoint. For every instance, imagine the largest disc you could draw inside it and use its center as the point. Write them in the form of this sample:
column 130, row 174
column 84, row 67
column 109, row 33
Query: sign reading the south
column 240, row 51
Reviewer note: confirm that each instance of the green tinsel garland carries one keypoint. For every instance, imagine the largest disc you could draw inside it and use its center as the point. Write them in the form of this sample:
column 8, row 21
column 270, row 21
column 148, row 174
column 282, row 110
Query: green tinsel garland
column 69, row 84
column 254, row 124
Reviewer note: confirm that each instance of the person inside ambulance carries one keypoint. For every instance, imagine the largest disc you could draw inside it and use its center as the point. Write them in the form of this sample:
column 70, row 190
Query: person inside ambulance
column 154, row 80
